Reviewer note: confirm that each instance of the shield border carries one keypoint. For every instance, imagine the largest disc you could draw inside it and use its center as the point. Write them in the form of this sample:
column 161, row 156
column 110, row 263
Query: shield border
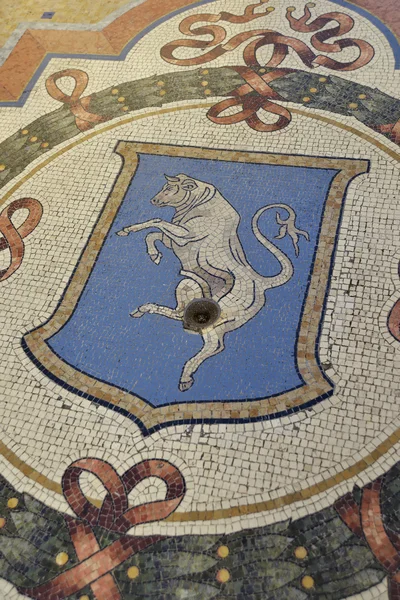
column 316, row 387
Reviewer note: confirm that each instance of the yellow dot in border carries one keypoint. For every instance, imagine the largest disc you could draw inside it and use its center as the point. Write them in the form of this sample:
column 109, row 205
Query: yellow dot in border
column 204, row 83
column 25, row 131
column 322, row 79
column 223, row 551
column 3, row 167
column 115, row 91
column 85, row 597
column 306, row 99
column 62, row 558
column 121, row 99
column 2, row 522
column 362, row 96
column 313, row 90
column 162, row 92
column 204, row 72
column 12, row 502
column 133, row 572
column 300, row 552
column 160, row 83
column 45, row 144
column 125, row 108
column 33, row 139
column 307, row 582
column 223, row 576
column 207, row 92
column 353, row 105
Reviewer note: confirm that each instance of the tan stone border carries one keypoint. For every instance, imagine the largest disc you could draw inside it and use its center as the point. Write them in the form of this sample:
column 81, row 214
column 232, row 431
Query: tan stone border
column 253, row 508
column 234, row 511
column 315, row 384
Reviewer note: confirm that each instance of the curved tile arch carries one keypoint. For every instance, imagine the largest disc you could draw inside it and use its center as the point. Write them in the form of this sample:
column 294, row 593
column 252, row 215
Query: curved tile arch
column 19, row 75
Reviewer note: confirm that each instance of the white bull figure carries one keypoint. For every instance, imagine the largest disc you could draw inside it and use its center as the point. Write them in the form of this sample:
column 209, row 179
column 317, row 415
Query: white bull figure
column 203, row 234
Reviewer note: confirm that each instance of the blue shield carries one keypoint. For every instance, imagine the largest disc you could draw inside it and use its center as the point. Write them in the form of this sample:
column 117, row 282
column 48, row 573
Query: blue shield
column 144, row 357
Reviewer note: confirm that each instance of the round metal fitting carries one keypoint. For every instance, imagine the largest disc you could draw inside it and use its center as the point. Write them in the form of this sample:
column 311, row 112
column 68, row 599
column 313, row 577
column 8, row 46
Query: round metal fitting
column 201, row 313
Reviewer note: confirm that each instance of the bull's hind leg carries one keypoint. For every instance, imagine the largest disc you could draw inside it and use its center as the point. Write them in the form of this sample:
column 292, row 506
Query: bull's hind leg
column 213, row 343
column 186, row 291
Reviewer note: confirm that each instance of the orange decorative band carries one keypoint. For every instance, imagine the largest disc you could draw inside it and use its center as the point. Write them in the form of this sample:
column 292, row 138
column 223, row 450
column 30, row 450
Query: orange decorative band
column 95, row 564
column 12, row 236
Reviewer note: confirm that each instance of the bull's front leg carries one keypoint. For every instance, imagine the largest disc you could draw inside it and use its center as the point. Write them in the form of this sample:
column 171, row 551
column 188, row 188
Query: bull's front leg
column 176, row 233
column 139, row 226
column 152, row 250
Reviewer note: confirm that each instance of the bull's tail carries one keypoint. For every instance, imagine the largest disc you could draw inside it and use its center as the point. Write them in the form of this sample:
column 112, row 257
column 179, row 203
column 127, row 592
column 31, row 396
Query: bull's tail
column 288, row 227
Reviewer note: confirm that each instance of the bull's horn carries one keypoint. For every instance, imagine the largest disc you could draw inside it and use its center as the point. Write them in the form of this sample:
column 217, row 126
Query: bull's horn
column 168, row 178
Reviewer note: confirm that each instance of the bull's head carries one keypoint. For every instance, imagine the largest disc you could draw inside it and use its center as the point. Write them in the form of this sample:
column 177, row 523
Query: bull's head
column 181, row 191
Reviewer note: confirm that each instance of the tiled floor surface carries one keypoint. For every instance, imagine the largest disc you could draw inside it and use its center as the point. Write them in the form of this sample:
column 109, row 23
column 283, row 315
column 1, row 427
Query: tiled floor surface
column 200, row 300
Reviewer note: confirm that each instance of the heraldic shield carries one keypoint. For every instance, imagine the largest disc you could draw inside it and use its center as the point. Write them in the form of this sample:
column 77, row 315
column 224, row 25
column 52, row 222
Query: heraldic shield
column 254, row 232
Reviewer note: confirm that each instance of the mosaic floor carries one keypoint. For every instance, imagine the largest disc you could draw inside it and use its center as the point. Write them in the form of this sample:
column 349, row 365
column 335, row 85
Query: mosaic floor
column 200, row 300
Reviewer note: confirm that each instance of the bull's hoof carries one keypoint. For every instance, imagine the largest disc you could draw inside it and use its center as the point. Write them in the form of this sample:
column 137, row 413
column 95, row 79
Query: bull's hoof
column 156, row 258
column 142, row 310
column 186, row 385
column 122, row 232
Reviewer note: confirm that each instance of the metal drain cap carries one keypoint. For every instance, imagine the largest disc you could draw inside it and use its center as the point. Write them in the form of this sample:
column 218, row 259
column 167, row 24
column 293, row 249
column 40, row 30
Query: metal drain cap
column 201, row 313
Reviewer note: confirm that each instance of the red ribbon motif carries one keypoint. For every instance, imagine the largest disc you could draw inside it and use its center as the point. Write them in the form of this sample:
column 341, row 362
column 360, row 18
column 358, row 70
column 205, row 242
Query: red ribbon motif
column 366, row 522
column 256, row 94
column 13, row 236
column 390, row 129
column 344, row 24
column 250, row 103
column 394, row 319
column 84, row 119
column 95, row 565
